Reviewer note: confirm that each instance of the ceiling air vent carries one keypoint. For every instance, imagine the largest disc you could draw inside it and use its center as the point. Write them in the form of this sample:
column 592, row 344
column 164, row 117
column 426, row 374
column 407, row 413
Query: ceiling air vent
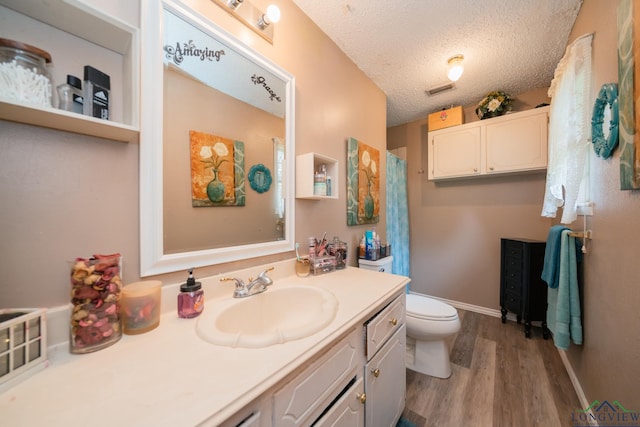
column 439, row 89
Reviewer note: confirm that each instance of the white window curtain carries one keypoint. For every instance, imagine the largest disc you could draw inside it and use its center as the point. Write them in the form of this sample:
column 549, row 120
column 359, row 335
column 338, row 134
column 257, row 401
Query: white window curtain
column 569, row 131
column 278, row 166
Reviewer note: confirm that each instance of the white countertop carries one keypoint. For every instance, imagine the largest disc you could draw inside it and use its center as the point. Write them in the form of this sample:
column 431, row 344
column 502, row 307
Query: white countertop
column 171, row 377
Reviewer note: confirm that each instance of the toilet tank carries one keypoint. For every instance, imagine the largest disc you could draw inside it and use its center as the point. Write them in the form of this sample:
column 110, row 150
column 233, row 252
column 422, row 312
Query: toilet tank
column 383, row 265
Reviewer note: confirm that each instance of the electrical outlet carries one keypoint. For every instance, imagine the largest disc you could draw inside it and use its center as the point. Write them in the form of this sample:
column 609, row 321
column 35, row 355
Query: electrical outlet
column 585, row 209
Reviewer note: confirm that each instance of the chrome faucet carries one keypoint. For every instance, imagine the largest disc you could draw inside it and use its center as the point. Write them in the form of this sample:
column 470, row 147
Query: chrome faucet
column 255, row 286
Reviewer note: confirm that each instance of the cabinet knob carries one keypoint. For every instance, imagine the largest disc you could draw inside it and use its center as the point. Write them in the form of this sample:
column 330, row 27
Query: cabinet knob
column 475, row 169
column 393, row 321
column 490, row 168
column 362, row 397
column 375, row 372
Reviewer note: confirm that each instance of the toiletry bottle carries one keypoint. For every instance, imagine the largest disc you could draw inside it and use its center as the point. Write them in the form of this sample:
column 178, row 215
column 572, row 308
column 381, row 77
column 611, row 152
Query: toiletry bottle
column 70, row 95
column 96, row 93
column 190, row 298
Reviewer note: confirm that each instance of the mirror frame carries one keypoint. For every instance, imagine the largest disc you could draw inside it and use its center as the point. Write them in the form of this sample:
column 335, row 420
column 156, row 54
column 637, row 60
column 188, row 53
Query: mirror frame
column 153, row 260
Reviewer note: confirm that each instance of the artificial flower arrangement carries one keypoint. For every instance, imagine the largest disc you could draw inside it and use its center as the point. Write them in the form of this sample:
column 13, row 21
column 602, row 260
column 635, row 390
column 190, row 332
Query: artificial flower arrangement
column 494, row 104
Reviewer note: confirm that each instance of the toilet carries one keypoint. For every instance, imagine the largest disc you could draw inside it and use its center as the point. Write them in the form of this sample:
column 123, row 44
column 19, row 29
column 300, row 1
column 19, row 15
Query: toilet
column 429, row 323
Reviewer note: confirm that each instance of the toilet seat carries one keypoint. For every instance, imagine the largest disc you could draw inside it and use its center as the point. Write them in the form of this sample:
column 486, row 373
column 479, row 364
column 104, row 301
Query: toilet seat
column 426, row 308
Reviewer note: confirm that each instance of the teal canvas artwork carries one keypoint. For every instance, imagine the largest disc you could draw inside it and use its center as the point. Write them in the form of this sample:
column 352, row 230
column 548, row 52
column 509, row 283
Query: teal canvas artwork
column 363, row 183
column 627, row 93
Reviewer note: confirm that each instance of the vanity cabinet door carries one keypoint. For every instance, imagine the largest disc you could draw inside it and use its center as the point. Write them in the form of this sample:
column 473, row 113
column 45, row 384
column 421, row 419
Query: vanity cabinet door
column 305, row 397
column 348, row 411
column 455, row 152
column 385, row 383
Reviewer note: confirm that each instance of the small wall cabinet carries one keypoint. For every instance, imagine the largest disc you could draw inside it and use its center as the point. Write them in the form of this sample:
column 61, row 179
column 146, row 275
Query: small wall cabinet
column 306, row 166
column 76, row 34
column 522, row 291
column 507, row 144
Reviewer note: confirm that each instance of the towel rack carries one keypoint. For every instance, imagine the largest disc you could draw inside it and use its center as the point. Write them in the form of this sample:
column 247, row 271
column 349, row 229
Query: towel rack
column 581, row 234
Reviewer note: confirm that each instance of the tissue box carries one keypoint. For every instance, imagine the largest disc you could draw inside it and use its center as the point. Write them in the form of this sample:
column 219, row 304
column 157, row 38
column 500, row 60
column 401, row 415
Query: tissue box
column 446, row 118
column 23, row 344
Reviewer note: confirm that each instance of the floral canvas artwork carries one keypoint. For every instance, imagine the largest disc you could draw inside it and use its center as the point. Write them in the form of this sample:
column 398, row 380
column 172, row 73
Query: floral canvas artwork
column 217, row 170
column 363, row 182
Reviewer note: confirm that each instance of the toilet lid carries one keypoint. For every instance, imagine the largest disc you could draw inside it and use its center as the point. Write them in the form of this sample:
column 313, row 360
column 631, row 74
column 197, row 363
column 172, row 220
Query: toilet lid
column 428, row 308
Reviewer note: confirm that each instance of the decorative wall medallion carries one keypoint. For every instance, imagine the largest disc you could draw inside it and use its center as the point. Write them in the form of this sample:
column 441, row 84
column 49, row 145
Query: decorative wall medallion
column 604, row 121
column 260, row 178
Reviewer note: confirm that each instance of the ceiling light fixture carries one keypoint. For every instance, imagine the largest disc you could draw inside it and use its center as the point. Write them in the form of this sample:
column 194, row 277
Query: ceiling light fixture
column 252, row 17
column 455, row 67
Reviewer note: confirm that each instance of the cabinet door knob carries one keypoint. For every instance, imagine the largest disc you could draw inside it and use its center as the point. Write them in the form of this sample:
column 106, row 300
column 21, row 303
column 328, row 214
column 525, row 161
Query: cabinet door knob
column 375, row 372
column 394, row 321
column 490, row 168
column 362, row 397
column 475, row 169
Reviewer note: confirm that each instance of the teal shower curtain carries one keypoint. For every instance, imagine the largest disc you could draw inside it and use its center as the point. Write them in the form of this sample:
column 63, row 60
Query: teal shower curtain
column 398, row 213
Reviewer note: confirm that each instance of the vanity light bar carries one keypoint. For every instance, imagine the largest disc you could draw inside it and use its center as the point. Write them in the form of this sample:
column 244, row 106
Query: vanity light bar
column 260, row 22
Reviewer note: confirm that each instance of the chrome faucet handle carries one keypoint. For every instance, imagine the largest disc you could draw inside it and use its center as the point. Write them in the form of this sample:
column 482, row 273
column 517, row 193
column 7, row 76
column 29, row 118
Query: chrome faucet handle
column 266, row 279
column 241, row 289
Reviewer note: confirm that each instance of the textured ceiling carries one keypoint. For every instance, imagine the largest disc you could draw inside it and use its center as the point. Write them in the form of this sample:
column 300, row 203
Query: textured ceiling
column 403, row 46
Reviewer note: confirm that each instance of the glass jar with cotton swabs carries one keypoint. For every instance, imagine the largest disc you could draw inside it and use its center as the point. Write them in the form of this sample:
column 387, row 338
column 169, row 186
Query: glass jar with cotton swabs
column 24, row 76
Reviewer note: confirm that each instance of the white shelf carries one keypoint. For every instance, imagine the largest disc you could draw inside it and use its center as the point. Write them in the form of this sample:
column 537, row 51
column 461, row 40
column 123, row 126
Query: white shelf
column 67, row 121
column 306, row 165
column 95, row 35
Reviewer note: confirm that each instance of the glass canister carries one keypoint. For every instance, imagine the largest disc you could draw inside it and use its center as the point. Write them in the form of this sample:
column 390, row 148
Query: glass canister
column 24, row 76
column 339, row 250
column 95, row 294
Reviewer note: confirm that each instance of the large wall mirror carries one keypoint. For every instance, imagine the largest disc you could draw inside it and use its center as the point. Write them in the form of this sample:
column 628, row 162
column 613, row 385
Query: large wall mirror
column 216, row 145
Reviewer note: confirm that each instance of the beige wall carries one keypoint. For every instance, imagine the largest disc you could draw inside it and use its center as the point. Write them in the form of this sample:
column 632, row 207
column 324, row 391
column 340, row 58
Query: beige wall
column 455, row 231
column 456, row 226
column 66, row 195
column 607, row 365
column 190, row 229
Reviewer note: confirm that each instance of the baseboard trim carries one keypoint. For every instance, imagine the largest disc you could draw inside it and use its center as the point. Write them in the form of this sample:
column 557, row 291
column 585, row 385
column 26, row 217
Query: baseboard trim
column 577, row 387
column 512, row 317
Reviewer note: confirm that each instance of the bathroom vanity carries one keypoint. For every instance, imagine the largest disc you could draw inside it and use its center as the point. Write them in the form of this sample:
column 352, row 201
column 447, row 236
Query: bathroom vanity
column 351, row 372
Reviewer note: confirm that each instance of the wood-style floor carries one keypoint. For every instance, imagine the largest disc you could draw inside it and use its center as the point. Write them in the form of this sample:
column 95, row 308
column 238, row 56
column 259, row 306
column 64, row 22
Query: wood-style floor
column 499, row 378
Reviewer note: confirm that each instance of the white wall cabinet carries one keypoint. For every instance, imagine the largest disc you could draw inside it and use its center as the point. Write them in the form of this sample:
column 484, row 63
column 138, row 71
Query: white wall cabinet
column 455, row 153
column 76, row 34
column 306, row 165
column 508, row 144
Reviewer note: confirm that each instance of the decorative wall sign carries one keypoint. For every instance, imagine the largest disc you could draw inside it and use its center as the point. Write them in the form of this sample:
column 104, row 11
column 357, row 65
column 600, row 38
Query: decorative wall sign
column 262, row 81
column 604, row 121
column 628, row 93
column 260, row 178
column 363, row 183
column 217, row 170
column 212, row 61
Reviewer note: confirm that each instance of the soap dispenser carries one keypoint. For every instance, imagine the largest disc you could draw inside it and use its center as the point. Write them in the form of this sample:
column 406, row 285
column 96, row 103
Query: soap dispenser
column 190, row 298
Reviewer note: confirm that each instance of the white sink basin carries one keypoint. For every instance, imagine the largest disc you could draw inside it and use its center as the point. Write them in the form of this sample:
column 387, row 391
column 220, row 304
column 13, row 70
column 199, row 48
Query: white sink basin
column 272, row 317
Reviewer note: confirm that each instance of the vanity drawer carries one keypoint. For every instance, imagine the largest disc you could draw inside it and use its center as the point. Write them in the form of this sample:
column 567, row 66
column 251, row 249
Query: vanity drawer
column 305, row 397
column 384, row 324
